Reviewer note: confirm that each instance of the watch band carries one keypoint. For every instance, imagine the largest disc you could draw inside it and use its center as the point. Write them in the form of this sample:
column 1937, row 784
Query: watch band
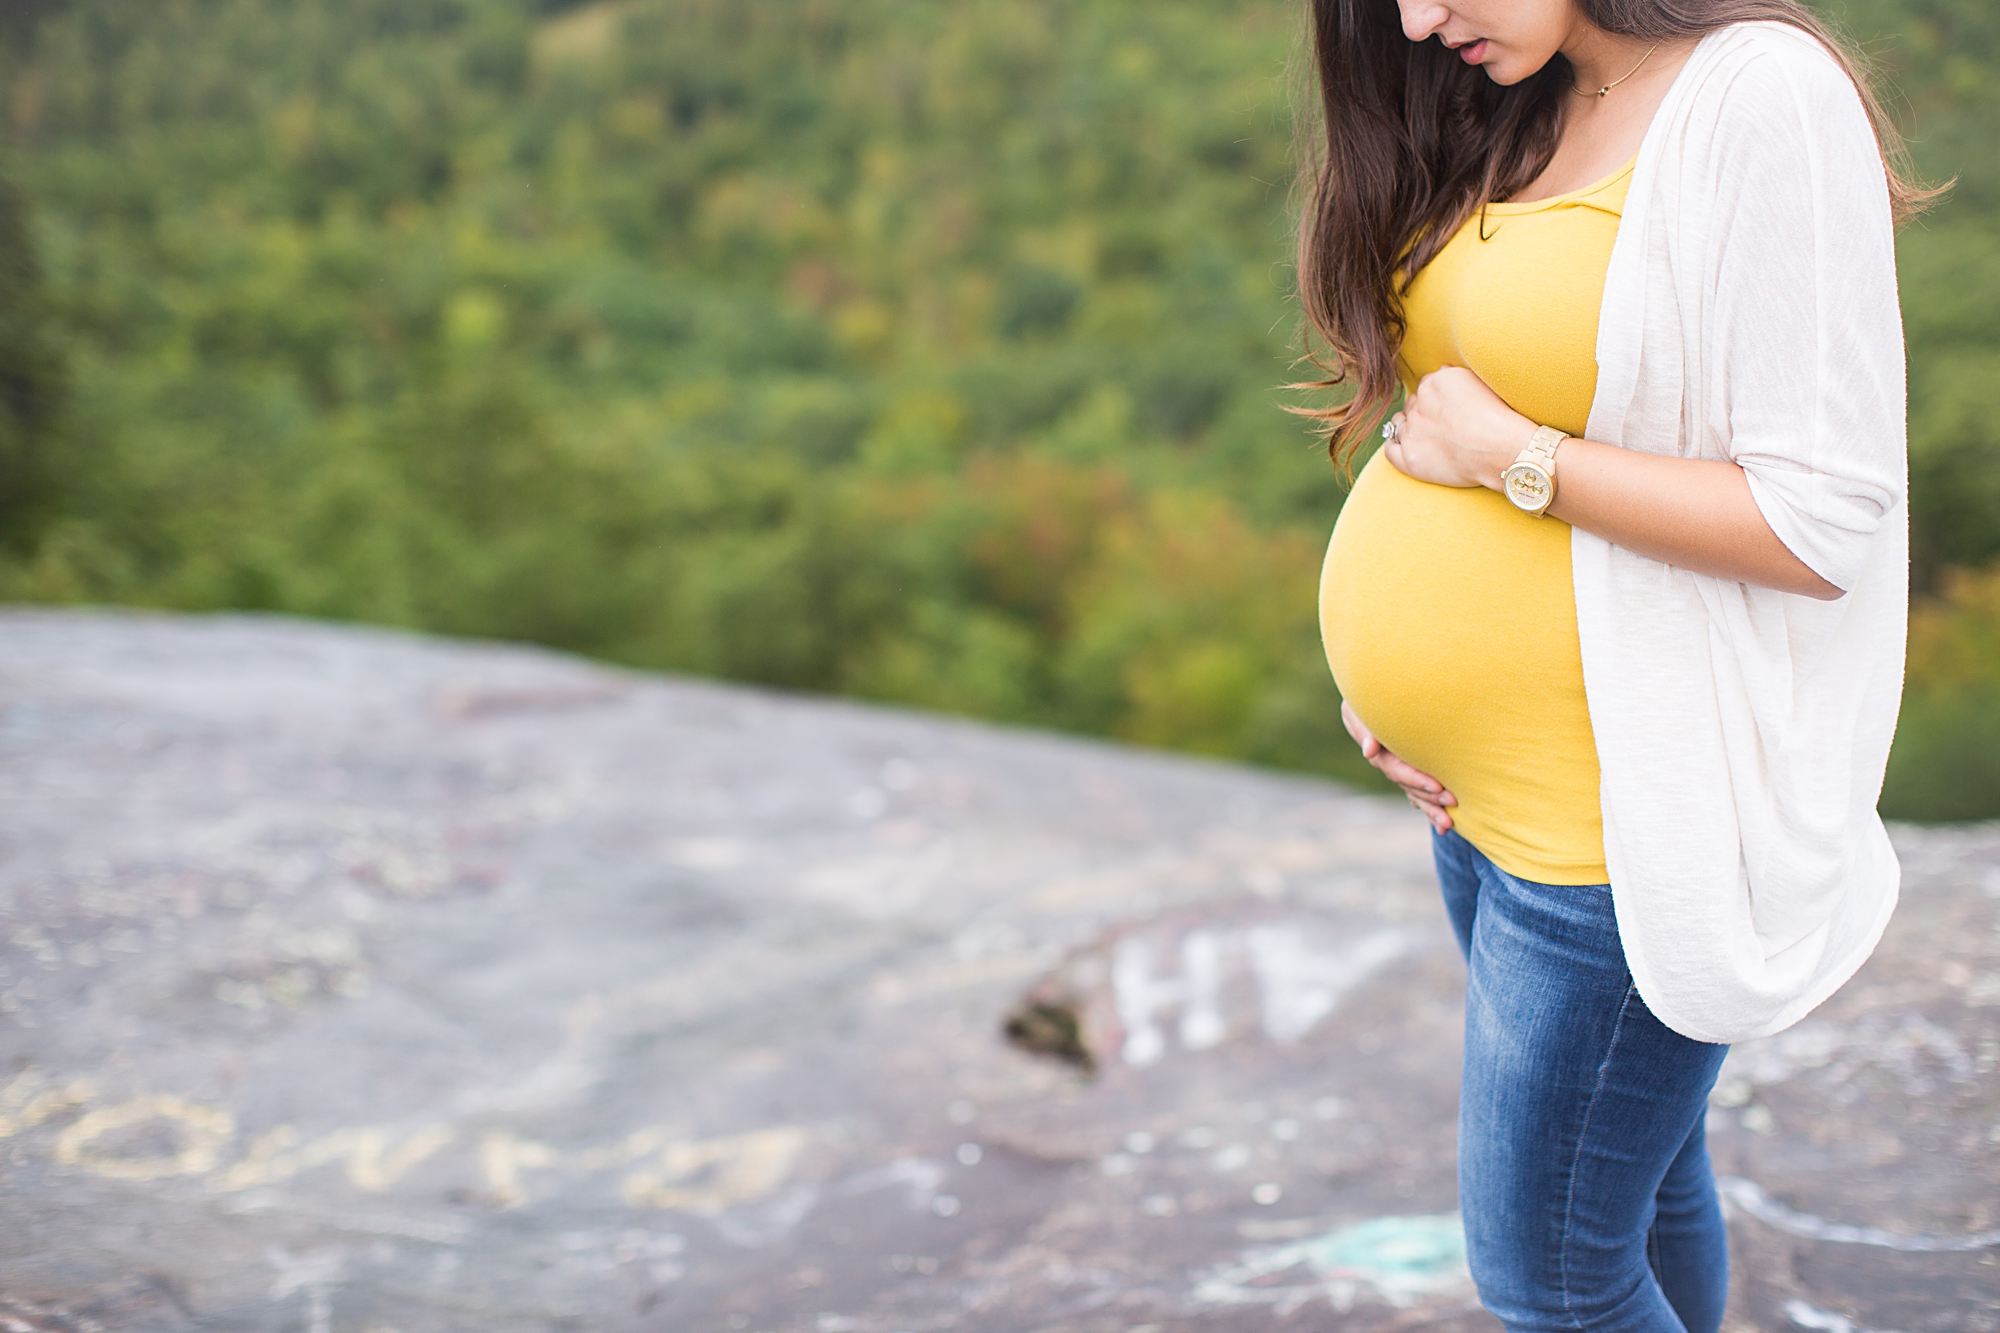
column 1542, row 447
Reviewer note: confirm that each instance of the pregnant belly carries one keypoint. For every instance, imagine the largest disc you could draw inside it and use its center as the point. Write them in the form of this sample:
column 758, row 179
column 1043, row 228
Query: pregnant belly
column 1449, row 620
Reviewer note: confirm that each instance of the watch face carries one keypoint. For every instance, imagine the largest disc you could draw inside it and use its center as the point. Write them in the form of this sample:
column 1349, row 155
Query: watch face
column 1528, row 486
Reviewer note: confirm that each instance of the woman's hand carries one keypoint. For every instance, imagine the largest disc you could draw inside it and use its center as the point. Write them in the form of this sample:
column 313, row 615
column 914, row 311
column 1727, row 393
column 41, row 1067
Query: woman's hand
column 1454, row 431
column 1425, row 792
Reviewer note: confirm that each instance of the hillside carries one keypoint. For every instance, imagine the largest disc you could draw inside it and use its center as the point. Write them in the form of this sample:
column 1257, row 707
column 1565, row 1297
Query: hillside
column 921, row 352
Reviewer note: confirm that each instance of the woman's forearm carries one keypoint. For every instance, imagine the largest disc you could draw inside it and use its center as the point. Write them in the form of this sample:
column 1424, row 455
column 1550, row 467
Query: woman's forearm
column 1692, row 512
column 1696, row 513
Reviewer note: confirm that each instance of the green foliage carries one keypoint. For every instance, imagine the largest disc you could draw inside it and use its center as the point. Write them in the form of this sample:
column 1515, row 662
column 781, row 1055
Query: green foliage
column 1944, row 58
column 1946, row 764
column 1947, row 759
column 924, row 352
column 32, row 384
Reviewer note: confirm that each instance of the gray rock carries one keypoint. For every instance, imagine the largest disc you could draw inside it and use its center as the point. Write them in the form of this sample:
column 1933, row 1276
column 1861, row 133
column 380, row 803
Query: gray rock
column 352, row 980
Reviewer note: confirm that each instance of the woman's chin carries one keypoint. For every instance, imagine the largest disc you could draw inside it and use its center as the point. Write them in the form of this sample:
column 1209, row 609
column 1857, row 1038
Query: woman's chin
column 1504, row 71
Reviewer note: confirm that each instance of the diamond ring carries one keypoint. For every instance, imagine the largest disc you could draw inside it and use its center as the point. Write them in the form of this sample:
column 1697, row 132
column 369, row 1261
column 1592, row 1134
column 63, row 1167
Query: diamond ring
column 1390, row 430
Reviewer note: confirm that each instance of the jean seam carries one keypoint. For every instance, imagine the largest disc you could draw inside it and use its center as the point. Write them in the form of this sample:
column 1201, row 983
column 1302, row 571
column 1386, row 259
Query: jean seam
column 1582, row 1134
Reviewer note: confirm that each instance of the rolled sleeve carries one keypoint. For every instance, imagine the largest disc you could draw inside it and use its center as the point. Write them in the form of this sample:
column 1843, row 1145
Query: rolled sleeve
column 1827, row 519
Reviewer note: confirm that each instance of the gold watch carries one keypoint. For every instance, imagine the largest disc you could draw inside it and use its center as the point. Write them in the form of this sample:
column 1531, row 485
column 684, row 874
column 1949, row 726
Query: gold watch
column 1530, row 480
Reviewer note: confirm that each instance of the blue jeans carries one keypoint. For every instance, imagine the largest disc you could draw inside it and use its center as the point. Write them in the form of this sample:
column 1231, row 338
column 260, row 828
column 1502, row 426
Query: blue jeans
column 1583, row 1172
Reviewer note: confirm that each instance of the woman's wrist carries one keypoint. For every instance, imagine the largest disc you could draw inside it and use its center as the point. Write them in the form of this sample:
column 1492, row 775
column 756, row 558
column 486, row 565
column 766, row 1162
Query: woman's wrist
column 1502, row 445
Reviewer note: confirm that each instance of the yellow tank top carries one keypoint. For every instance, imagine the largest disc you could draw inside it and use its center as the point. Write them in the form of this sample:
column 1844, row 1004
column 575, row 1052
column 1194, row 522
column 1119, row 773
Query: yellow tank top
column 1448, row 616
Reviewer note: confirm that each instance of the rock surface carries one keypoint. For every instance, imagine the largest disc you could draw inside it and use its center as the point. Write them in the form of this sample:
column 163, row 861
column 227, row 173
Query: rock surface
column 357, row 981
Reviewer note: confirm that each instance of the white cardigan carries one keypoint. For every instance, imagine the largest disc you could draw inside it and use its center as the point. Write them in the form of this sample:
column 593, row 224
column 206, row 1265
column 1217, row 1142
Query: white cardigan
column 1750, row 314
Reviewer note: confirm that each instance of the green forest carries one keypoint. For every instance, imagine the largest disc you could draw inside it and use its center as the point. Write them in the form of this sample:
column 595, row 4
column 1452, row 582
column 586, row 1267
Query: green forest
column 919, row 351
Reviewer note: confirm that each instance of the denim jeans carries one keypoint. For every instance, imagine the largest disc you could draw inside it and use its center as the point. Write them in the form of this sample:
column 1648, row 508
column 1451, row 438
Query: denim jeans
column 1583, row 1172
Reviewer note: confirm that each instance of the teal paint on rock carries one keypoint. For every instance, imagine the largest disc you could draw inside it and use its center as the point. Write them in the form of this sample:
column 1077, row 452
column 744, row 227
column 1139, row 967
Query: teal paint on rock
column 1397, row 1259
column 1400, row 1248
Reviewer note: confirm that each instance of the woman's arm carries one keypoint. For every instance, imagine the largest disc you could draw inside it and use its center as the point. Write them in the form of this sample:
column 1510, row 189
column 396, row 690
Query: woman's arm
column 1696, row 513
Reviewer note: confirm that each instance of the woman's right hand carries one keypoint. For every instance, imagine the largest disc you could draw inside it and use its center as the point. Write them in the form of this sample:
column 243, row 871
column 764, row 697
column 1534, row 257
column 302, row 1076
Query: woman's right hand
column 1425, row 792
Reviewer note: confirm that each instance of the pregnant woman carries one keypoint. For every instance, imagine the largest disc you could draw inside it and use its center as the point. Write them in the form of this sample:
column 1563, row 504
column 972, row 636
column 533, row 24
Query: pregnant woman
column 1620, row 601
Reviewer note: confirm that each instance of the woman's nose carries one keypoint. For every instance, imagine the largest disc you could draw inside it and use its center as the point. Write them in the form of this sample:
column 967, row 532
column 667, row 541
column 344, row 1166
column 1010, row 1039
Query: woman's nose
column 1421, row 18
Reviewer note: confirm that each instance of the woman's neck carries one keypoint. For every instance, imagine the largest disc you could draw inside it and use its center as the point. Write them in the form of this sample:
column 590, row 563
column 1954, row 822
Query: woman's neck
column 1601, row 58
column 1601, row 134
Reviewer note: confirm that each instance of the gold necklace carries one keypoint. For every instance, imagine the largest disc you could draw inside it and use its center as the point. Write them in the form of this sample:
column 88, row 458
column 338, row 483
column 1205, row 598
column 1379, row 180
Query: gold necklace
column 1615, row 82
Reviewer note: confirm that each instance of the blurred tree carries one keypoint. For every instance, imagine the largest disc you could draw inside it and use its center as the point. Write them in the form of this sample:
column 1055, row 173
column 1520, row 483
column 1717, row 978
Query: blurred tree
column 1947, row 759
column 33, row 384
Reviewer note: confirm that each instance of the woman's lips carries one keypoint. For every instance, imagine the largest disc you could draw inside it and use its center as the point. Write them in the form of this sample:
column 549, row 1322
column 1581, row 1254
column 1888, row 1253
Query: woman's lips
column 1472, row 51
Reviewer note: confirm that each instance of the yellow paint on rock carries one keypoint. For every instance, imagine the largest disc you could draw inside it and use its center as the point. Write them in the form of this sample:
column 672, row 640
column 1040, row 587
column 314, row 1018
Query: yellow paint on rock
column 710, row 1176
column 206, row 1130
column 700, row 1176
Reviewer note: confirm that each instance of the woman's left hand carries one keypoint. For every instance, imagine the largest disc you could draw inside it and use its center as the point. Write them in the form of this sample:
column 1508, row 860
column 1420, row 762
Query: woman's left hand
column 1454, row 431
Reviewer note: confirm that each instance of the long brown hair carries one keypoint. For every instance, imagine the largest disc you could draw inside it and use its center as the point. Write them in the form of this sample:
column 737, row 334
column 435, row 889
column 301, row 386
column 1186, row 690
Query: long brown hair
column 1409, row 140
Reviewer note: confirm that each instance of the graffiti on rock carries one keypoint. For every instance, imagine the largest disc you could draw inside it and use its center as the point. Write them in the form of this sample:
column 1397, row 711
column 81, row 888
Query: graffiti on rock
column 1399, row 1260
column 161, row 1137
column 1298, row 983
column 372, row 1164
column 712, row 1176
column 1807, row 1316
column 1750, row 1197
column 195, row 1136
